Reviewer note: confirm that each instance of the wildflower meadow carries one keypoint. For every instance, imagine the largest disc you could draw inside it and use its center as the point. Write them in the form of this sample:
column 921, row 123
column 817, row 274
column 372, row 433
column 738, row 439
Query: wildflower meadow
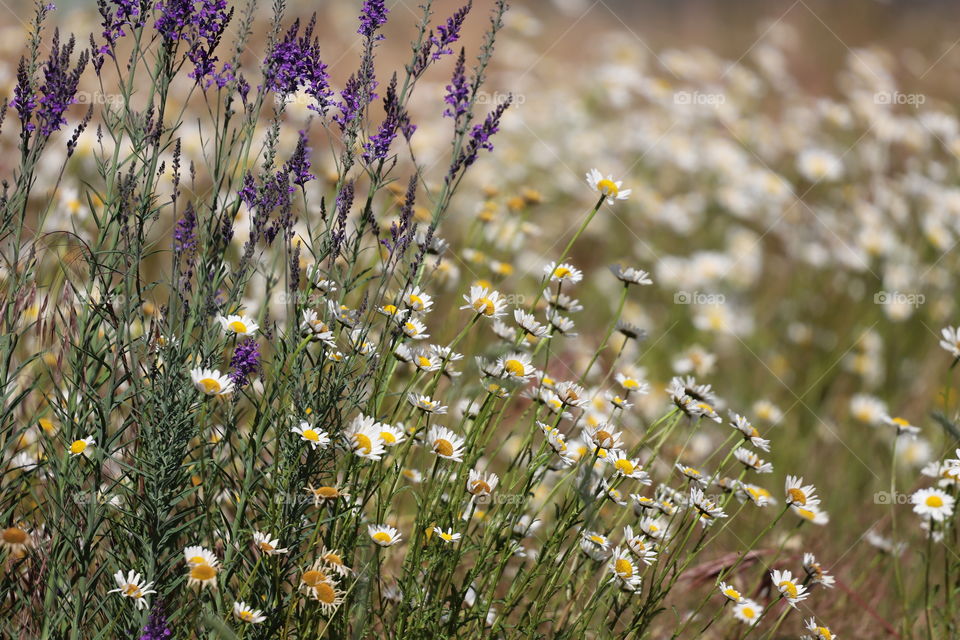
column 415, row 320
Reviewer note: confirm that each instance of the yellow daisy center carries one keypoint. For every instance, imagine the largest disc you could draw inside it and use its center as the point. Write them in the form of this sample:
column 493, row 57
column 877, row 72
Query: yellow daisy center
column 390, row 309
column 326, row 493
column 788, row 589
column 310, row 434
column 424, row 361
column 446, row 536
column 203, row 572
column 624, row 466
column 484, row 306
column 797, row 496
column 237, row 326
column 415, row 301
column 623, row 567
column 598, row 539
column 630, row 383
column 748, row 612
column 333, row 558
column 514, row 367
column 325, row 593
column 78, row 446
column 363, row 443
column 733, row 594
column 314, row 578
column 388, row 437
column 410, row 327
column 608, row 187
column 210, row 385
column 132, row 591
column 246, row 616
column 934, row 501
column 443, row 447
column 382, row 536
column 479, row 486
column 561, row 272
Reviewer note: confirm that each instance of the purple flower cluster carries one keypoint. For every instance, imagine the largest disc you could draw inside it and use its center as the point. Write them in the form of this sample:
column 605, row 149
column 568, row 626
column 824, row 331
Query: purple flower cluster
column 201, row 26
column 298, row 166
column 59, row 88
column 373, row 15
column 245, row 362
column 156, row 628
column 378, row 147
column 294, row 62
column 437, row 44
column 116, row 16
column 263, row 200
column 185, row 233
column 458, row 91
column 480, row 138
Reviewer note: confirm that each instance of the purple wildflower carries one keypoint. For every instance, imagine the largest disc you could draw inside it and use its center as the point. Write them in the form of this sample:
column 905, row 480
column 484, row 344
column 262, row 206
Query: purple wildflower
column 116, row 16
column 449, row 32
column 352, row 102
column 156, row 628
column 299, row 163
column 373, row 15
column 378, row 146
column 480, row 138
column 245, row 361
column 59, row 87
column 294, row 62
column 458, row 91
column 185, row 232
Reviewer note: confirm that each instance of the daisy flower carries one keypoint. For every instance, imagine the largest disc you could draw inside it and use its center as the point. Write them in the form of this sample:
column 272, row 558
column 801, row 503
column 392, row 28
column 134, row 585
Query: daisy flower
column 622, row 565
column 570, row 393
column 81, row 446
column 816, row 573
column 630, row 275
column 529, row 323
column 563, row 273
column 332, row 559
column 752, row 461
column 631, row 384
column 812, row 513
column 792, row 591
column 316, row 437
column 819, row 632
column 652, row 527
column 323, row 285
column 445, row 443
column 245, row 613
column 316, row 328
column 423, row 360
column 642, row 548
column 709, row 510
column 238, row 325
column 133, row 586
column 481, row 484
column 328, row 596
column 903, row 427
column 868, row 409
column 363, row 437
column 817, row 164
column 561, row 325
column 390, row 435
column 426, row 404
column 799, row 494
column 730, row 593
column 268, row 545
column 693, row 474
column 604, row 437
column 211, row 382
column 415, row 329
column 627, row 467
column 326, row 495
column 951, row 340
column 750, row 433
column 485, row 302
column 418, row 301
column 517, row 366
column 447, row 536
column 607, row 186
column 747, row 611
column 935, row 504
column 383, row 534
column 203, row 568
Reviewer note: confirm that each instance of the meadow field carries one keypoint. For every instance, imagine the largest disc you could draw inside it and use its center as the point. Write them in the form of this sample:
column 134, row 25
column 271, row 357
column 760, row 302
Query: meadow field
column 547, row 319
